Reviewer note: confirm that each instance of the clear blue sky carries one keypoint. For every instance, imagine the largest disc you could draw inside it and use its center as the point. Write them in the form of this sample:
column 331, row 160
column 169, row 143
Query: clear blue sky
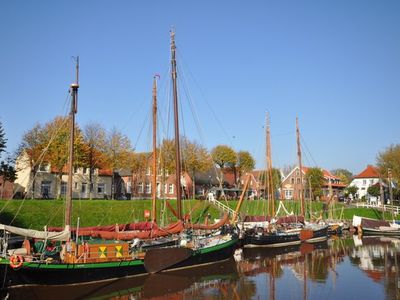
column 335, row 64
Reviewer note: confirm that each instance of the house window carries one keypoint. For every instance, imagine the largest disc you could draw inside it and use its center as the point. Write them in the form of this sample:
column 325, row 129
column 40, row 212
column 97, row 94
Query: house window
column 166, row 172
column 44, row 168
column 165, row 188
column 148, row 171
column 371, row 181
column 45, row 189
column 148, row 188
column 292, row 180
column 364, row 181
column 101, row 188
column 298, row 180
column 297, row 173
column 140, row 187
column 170, row 188
column 84, row 188
column 76, row 185
column 63, row 188
column 129, row 187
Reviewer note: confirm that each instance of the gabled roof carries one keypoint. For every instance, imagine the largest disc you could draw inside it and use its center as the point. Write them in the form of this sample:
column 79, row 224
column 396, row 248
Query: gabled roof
column 326, row 173
column 369, row 172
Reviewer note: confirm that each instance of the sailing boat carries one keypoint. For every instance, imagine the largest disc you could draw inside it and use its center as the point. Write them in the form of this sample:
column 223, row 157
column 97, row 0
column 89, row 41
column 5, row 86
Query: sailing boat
column 274, row 233
column 70, row 261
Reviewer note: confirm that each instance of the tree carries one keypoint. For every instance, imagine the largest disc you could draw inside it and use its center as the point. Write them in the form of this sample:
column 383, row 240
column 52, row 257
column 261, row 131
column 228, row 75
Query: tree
column 94, row 136
column 352, row 190
column 195, row 159
column 223, row 156
column 245, row 163
column 390, row 160
column 315, row 179
column 344, row 175
column 118, row 149
column 276, row 179
column 374, row 190
column 3, row 139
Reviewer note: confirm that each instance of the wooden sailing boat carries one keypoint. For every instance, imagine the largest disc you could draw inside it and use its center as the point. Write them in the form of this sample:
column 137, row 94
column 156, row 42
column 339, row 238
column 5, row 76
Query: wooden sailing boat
column 273, row 233
column 74, row 262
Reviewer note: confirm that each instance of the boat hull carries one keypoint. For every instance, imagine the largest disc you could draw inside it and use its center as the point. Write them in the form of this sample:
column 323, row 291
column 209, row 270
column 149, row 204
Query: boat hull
column 61, row 274
column 270, row 240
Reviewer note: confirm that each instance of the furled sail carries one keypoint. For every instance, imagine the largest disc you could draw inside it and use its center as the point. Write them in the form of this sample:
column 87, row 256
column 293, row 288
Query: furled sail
column 64, row 235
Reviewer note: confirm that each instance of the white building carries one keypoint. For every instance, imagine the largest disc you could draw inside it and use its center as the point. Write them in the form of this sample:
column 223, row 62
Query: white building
column 364, row 180
column 48, row 184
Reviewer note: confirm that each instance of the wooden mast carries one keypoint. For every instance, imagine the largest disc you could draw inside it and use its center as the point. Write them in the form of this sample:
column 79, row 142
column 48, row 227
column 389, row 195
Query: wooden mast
column 176, row 125
column 74, row 109
column 154, row 183
column 269, row 168
column 300, row 166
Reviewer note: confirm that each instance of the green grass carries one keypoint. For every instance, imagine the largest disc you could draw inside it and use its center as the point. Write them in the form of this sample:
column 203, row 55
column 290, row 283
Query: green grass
column 36, row 214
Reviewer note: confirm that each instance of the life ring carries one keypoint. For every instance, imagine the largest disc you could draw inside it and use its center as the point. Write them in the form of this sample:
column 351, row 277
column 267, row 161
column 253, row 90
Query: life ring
column 16, row 261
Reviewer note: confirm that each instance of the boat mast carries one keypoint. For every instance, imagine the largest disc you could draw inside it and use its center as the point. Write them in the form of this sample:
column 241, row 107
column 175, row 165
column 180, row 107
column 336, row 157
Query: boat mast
column 300, row 166
column 270, row 182
column 74, row 109
column 154, row 189
column 176, row 124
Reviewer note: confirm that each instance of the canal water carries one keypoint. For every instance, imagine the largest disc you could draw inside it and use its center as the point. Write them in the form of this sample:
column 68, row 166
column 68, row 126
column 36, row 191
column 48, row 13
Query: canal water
column 340, row 268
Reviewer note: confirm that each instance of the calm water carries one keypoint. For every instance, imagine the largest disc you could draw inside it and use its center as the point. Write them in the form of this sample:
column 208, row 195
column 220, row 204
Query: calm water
column 346, row 268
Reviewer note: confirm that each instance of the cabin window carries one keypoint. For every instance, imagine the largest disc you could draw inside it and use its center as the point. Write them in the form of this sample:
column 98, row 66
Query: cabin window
column 170, row 188
column 101, row 188
column 148, row 188
column 140, row 187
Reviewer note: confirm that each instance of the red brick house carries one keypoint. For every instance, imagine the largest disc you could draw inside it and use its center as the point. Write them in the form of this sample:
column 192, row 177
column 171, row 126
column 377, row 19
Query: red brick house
column 6, row 189
column 291, row 185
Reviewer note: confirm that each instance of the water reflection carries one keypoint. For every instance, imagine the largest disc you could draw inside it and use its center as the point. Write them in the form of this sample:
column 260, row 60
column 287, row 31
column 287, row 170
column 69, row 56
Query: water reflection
column 342, row 268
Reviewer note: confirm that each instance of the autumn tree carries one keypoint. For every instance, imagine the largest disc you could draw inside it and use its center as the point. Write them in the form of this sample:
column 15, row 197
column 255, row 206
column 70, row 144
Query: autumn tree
column 138, row 164
column 388, row 162
column 118, row 148
column 195, row 159
column 57, row 132
column 245, row 163
column 94, row 136
column 315, row 179
column 344, row 175
column 223, row 156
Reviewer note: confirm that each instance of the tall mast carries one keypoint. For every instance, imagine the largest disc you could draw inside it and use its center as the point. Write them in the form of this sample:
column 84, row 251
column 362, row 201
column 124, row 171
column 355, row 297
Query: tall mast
column 300, row 166
column 269, row 168
column 154, row 184
column 176, row 125
column 74, row 109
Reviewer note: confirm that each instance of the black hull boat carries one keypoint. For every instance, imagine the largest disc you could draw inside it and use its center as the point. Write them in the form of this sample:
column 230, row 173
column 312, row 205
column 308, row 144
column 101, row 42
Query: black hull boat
column 314, row 233
column 252, row 238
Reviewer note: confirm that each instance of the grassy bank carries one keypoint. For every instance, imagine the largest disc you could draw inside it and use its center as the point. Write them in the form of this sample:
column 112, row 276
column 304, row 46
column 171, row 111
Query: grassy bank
column 36, row 214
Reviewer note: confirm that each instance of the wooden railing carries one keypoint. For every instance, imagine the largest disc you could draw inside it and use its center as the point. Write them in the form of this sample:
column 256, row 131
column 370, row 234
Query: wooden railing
column 389, row 208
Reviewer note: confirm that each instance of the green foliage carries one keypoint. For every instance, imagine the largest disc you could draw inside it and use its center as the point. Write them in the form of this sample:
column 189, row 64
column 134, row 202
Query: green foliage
column 276, row 179
column 224, row 156
column 315, row 178
column 374, row 190
column 390, row 160
column 344, row 175
column 352, row 190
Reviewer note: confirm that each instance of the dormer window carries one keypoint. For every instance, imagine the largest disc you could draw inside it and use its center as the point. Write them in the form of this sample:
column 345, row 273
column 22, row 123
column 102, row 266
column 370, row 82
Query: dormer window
column 44, row 167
